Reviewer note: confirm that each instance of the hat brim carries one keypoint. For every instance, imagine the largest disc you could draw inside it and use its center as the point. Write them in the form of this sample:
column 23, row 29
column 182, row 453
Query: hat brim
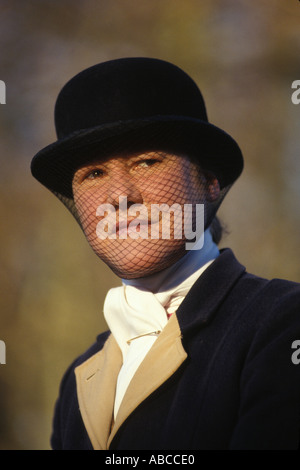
column 211, row 147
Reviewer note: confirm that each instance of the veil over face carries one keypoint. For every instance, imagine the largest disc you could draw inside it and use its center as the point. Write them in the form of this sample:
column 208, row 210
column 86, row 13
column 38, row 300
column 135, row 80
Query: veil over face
column 137, row 210
column 119, row 110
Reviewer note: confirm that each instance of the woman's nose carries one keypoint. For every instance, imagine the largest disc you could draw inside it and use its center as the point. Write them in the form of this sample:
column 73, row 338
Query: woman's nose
column 121, row 185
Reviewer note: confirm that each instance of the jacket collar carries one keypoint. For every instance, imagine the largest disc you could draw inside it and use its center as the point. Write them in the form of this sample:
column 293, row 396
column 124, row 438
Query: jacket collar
column 208, row 292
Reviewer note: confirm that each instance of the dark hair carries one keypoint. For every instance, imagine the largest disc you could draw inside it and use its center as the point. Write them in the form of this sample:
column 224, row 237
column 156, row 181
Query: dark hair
column 216, row 229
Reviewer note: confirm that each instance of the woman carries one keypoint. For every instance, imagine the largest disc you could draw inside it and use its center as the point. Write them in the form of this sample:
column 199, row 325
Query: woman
column 198, row 352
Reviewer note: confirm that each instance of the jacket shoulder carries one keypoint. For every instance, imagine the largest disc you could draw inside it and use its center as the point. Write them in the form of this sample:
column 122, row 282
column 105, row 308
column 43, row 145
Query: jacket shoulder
column 272, row 291
column 276, row 289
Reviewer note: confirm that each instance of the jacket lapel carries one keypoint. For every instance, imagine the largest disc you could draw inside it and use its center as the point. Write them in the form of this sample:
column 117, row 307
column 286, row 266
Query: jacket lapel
column 209, row 291
column 96, row 381
column 164, row 358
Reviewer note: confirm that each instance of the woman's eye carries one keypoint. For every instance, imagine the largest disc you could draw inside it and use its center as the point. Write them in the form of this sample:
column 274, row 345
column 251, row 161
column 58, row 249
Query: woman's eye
column 94, row 174
column 147, row 163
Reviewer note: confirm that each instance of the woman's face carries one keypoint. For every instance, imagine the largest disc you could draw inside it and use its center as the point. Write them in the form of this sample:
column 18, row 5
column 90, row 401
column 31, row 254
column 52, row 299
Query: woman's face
column 117, row 200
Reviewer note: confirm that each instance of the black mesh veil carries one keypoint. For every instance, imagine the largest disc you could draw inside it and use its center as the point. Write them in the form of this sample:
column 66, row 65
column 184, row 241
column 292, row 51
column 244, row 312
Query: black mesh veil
column 140, row 205
column 137, row 162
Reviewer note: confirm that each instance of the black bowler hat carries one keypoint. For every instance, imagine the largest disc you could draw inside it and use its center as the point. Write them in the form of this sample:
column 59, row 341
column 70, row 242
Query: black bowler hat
column 132, row 104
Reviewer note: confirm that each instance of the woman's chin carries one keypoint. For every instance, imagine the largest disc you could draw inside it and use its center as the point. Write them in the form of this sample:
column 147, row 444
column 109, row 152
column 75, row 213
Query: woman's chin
column 139, row 259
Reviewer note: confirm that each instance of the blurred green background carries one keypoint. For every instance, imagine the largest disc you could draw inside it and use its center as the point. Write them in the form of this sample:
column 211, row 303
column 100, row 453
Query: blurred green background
column 244, row 56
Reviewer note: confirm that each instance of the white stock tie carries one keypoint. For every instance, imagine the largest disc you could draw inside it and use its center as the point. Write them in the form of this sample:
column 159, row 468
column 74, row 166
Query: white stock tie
column 137, row 311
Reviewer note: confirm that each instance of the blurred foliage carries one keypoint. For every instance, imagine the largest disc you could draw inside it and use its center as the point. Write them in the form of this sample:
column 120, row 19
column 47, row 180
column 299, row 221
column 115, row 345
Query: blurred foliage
column 244, row 56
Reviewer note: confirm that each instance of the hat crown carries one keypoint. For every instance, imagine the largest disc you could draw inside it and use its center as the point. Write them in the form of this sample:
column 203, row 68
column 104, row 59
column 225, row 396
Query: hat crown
column 123, row 90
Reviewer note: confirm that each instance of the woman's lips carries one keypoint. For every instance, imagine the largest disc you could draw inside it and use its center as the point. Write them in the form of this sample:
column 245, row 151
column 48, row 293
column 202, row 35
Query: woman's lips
column 122, row 225
column 127, row 227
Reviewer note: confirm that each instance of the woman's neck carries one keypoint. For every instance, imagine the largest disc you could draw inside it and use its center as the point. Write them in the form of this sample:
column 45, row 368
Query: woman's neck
column 173, row 276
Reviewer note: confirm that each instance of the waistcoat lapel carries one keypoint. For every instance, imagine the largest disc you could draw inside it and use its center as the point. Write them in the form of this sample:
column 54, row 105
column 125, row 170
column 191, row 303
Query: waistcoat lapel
column 164, row 358
column 96, row 382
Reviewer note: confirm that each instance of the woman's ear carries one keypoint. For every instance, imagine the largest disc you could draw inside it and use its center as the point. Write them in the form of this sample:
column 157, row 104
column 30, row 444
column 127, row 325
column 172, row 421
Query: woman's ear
column 212, row 187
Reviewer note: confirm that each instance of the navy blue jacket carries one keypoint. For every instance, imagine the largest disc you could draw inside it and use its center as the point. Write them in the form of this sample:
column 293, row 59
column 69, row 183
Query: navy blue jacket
column 237, row 387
